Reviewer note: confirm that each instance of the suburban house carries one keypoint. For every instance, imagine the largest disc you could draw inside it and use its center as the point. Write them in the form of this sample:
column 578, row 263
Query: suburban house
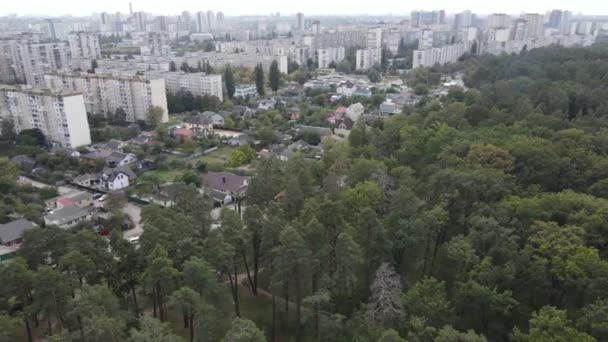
column 363, row 92
column 109, row 179
column 65, row 150
column 216, row 119
column 355, row 111
column 27, row 164
column 117, row 159
column 267, row 104
column 11, row 237
column 12, row 233
column 201, row 124
column 115, row 145
column 67, row 217
column 321, row 131
column 115, row 180
column 183, row 133
column 226, row 183
column 243, row 111
column 388, row 107
column 144, row 138
column 77, row 198
column 166, row 195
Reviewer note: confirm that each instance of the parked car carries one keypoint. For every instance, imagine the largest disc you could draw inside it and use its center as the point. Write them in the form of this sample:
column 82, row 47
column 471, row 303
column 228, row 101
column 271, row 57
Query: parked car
column 103, row 198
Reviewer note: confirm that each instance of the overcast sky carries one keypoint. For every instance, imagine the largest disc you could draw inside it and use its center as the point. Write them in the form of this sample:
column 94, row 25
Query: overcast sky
column 287, row 7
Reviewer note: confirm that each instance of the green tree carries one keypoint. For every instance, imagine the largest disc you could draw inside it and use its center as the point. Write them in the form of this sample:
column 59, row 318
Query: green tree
column 551, row 324
column 160, row 275
column 428, row 299
column 274, row 76
column 229, row 81
column 97, row 313
column 244, row 330
column 391, row 336
column 259, row 79
column 189, row 303
column 153, row 330
column 155, row 116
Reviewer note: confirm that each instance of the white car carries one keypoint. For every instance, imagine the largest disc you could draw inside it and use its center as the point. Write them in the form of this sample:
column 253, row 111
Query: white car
column 103, row 198
column 134, row 240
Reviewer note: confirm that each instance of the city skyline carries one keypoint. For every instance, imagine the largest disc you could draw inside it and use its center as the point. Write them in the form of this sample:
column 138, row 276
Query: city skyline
column 314, row 7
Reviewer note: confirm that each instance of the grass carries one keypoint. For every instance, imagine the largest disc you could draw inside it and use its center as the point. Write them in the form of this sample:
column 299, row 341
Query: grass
column 218, row 157
column 166, row 175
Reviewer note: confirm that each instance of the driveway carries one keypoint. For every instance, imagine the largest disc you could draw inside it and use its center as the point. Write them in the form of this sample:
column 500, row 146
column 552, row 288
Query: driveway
column 134, row 212
column 62, row 190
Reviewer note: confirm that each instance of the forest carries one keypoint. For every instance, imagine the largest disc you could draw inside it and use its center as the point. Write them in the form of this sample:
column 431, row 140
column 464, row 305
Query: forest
column 481, row 216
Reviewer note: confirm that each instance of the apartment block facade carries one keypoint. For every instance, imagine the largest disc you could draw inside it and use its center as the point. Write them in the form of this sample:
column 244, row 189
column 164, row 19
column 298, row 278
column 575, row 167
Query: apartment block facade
column 197, row 83
column 367, row 58
column 60, row 115
column 326, row 56
column 104, row 94
column 84, row 45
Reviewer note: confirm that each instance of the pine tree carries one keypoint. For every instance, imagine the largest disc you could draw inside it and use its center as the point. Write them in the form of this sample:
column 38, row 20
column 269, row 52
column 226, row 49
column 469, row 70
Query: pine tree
column 229, row 80
column 259, row 79
column 274, row 76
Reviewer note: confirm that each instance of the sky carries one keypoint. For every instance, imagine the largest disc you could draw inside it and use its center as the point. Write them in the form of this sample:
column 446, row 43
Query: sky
column 288, row 7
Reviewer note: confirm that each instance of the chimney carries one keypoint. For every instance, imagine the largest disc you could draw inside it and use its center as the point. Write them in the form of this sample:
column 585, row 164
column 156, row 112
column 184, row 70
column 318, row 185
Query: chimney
column 224, row 180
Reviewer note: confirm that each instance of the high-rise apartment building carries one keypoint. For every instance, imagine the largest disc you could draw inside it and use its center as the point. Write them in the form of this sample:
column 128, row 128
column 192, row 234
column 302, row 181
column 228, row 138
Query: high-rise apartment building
column 374, row 38
column 330, row 55
column 33, row 60
column 535, row 24
column 84, row 45
column 60, row 115
column 210, row 21
column 463, row 19
column 197, row 83
column 140, row 19
column 152, row 43
column 421, row 18
column 300, row 21
column 498, row 20
column 366, row 59
column 439, row 55
column 105, row 94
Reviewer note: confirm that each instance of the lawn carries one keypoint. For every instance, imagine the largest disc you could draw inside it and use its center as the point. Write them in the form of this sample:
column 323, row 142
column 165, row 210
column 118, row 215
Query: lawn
column 218, row 157
column 166, row 175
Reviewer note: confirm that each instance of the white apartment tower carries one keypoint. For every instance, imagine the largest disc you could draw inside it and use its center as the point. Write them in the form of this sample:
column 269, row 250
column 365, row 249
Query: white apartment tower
column 535, row 24
column 197, row 83
column 84, row 45
column 60, row 115
column 104, row 94
column 498, row 20
column 326, row 56
column 153, row 43
column 367, row 58
column 300, row 21
column 374, row 38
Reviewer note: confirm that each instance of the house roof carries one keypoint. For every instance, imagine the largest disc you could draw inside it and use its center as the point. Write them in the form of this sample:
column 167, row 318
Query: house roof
column 114, row 144
column 341, row 110
column 199, row 120
column 65, row 201
column 184, row 132
column 14, row 230
column 117, row 156
column 97, row 154
column 224, row 181
column 65, row 214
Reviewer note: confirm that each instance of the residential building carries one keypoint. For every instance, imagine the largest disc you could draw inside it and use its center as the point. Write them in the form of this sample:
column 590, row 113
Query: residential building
column 244, row 90
column 227, row 183
column 104, row 94
column 84, row 45
column 374, row 38
column 535, row 27
column 367, row 58
column 439, row 55
column 423, row 18
column 325, row 57
column 498, row 20
column 59, row 114
column 11, row 233
column 67, row 217
column 33, row 60
column 197, row 83
column 300, row 21
column 463, row 20
column 152, row 43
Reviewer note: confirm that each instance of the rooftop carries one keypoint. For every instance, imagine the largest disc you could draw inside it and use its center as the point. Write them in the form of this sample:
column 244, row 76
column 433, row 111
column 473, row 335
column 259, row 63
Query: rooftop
column 14, row 230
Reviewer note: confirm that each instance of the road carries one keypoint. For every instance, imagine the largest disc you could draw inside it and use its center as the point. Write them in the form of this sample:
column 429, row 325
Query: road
column 134, row 212
column 62, row 190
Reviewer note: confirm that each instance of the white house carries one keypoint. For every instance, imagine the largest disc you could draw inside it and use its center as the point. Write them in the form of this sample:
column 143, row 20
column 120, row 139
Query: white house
column 355, row 111
column 116, row 180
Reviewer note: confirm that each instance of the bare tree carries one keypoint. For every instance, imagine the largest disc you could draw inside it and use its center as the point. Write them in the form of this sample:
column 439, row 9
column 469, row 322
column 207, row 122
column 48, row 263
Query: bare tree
column 385, row 305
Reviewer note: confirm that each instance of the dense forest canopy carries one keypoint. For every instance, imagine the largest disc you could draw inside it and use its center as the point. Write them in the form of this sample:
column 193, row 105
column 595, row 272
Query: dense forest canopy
column 481, row 216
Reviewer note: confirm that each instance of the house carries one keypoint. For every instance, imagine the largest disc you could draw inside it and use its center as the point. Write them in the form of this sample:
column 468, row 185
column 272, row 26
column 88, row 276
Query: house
column 183, row 133
column 11, row 233
column 77, row 198
column 355, row 111
column 143, row 138
column 166, row 195
column 244, row 90
column 220, row 197
column 388, row 107
column 65, row 150
column 216, row 119
column 267, row 104
column 27, row 164
column 67, row 217
column 238, row 140
column 243, row 111
column 363, row 92
column 228, row 183
column 146, row 164
column 116, row 159
column 115, row 145
column 115, row 180
column 201, row 124
column 346, row 89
